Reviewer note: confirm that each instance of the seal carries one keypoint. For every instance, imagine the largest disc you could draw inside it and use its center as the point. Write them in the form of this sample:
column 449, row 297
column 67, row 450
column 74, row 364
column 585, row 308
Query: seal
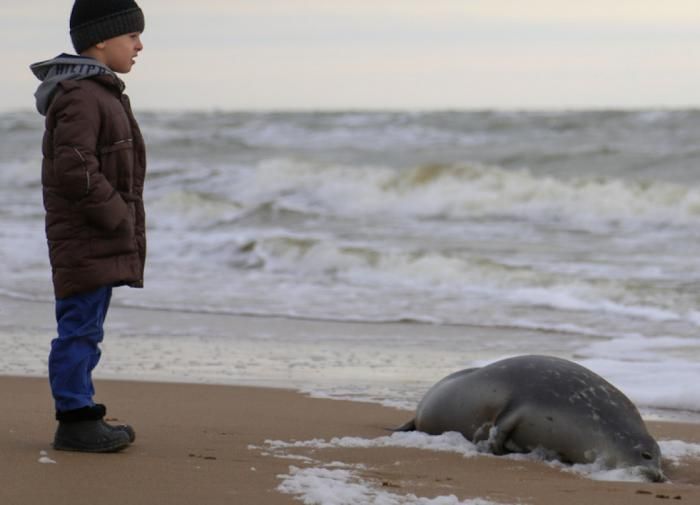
column 534, row 402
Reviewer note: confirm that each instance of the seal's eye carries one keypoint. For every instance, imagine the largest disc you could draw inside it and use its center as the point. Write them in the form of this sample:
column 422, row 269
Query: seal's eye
column 647, row 455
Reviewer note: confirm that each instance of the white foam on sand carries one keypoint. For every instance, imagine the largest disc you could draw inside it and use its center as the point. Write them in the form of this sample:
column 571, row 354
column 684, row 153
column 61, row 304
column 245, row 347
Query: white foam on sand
column 44, row 458
column 338, row 483
column 342, row 486
column 678, row 451
column 675, row 451
column 594, row 471
column 447, row 442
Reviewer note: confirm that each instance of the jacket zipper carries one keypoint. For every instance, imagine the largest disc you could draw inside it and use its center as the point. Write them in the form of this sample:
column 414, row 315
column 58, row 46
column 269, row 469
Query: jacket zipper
column 87, row 173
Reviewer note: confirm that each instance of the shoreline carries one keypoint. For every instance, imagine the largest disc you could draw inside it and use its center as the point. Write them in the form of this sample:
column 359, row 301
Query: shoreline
column 215, row 444
column 390, row 363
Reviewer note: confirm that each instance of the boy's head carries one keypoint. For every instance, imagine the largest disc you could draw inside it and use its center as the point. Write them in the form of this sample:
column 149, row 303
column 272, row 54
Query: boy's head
column 95, row 21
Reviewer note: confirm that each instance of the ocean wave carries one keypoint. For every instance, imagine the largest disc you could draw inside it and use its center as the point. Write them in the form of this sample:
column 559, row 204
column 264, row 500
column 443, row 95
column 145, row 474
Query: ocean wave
column 463, row 191
column 443, row 192
column 20, row 123
column 373, row 131
column 360, row 278
column 408, row 216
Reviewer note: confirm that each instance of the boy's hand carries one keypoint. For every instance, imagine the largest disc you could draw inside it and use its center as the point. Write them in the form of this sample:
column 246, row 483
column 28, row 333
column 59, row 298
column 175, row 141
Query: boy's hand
column 126, row 227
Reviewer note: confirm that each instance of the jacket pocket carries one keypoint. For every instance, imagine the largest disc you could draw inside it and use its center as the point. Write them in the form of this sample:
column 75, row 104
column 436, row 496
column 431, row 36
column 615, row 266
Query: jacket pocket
column 117, row 163
column 116, row 146
column 83, row 161
column 117, row 242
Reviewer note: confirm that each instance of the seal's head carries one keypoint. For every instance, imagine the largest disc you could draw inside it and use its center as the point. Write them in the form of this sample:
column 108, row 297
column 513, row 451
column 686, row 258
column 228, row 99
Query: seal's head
column 639, row 452
column 650, row 455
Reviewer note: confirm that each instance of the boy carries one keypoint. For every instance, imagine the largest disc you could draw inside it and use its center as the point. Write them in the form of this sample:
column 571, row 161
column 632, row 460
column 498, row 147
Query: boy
column 92, row 179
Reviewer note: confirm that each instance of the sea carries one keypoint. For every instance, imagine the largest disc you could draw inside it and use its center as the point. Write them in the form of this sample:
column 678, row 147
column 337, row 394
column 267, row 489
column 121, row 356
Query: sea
column 366, row 254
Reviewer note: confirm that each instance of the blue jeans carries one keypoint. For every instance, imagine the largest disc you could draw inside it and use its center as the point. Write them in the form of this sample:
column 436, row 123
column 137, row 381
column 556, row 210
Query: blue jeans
column 75, row 353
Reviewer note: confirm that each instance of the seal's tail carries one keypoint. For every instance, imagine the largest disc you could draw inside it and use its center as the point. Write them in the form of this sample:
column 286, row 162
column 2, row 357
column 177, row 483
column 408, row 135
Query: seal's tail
column 409, row 426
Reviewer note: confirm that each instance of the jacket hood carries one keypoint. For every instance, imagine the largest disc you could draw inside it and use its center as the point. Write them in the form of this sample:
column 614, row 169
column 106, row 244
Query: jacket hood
column 66, row 67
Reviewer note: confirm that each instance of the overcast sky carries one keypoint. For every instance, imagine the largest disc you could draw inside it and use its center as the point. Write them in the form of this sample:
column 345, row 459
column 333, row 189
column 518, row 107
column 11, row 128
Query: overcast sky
column 385, row 54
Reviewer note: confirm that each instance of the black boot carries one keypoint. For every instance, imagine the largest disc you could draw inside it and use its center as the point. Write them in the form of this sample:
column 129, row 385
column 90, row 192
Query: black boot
column 84, row 430
column 125, row 428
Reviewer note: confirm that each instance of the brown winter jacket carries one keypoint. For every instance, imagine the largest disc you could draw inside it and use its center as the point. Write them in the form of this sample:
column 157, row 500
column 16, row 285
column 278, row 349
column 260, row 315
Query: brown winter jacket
column 92, row 177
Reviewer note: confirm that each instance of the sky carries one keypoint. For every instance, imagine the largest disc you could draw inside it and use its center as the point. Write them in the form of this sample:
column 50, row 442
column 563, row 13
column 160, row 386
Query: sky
column 385, row 54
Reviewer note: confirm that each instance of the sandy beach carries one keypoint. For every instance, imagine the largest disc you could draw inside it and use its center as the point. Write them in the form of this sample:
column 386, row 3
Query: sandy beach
column 208, row 444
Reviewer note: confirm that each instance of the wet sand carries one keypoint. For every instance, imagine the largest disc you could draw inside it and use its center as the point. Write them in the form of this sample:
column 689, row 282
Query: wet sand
column 205, row 444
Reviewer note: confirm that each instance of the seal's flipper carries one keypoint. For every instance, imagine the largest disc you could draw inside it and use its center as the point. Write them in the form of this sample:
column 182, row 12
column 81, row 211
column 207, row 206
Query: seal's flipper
column 499, row 437
column 409, row 426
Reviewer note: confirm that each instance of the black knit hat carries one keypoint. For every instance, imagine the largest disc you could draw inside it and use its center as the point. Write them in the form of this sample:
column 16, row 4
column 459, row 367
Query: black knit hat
column 94, row 21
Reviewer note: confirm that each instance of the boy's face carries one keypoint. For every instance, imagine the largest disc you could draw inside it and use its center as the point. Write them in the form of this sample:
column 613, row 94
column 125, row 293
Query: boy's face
column 118, row 53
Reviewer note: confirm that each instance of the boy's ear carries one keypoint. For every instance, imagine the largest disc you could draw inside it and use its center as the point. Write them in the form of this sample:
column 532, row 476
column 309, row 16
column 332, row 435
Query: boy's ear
column 100, row 45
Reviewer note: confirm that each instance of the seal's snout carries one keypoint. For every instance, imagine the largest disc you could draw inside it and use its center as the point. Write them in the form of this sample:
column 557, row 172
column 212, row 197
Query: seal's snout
column 655, row 475
column 652, row 473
